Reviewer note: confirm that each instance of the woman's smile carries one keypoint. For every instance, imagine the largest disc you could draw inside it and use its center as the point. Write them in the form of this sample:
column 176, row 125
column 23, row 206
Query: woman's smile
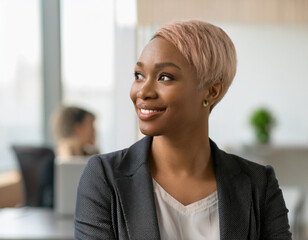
column 147, row 112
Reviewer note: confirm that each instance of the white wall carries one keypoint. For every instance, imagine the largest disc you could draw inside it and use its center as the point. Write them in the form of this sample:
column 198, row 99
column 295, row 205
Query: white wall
column 273, row 72
column 125, row 59
column 124, row 62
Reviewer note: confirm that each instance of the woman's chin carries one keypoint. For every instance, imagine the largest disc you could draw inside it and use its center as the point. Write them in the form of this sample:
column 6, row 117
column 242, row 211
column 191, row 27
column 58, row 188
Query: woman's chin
column 149, row 131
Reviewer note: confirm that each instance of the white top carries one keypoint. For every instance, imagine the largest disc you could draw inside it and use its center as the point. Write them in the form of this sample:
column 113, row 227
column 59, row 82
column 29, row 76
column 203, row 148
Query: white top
column 198, row 220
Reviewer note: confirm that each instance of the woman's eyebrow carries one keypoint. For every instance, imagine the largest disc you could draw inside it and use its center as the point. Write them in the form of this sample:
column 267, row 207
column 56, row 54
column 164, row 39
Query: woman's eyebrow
column 140, row 64
column 160, row 65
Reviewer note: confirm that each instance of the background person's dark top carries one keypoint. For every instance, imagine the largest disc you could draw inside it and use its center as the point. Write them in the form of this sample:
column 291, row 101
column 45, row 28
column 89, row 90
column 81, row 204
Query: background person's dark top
column 116, row 201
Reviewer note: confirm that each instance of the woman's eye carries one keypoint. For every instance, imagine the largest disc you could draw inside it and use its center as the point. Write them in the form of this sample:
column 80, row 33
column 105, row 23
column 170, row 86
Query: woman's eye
column 138, row 76
column 165, row 77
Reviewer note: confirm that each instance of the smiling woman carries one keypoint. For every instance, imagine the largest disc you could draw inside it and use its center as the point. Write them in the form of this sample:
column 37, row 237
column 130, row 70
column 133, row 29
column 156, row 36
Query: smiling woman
column 160, row 77
column 176, row 183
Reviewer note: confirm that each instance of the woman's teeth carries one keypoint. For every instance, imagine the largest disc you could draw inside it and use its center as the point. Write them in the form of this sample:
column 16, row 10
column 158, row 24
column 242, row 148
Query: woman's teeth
column 147, row 111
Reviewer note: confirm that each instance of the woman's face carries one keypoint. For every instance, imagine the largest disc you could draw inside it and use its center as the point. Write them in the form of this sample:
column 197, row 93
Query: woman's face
column 165, row 93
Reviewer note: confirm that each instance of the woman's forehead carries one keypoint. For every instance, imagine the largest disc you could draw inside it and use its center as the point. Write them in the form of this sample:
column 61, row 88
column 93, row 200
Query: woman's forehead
column 161, row 50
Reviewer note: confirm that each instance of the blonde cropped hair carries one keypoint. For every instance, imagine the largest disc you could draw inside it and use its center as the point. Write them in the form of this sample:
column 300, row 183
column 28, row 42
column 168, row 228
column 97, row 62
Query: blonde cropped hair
column 207, row 47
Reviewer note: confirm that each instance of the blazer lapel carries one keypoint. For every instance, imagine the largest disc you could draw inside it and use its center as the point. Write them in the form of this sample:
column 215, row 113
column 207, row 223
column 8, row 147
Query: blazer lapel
column 234, row 196
column 135, row 191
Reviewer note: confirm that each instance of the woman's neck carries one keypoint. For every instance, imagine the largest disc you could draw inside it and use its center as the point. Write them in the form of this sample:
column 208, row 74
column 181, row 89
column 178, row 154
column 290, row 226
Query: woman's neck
column 186, row 155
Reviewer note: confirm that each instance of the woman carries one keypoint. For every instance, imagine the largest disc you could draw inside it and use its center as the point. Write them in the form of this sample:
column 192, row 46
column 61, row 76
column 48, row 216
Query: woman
column 74, row 132
column 176, row 183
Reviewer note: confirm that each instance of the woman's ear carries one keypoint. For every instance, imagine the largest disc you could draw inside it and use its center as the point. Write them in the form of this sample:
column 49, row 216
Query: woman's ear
column 213, row 92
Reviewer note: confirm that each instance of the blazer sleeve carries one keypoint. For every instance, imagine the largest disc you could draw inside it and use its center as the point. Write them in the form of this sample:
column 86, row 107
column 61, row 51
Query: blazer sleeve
column 93, row 206
column 275, row 216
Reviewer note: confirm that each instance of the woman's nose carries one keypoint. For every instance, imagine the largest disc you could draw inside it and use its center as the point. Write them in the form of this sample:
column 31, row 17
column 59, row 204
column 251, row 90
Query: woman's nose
column 147, row 89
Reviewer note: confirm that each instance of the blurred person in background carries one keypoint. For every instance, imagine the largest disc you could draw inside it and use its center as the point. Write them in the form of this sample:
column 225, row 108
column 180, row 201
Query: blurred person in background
column 74, row 132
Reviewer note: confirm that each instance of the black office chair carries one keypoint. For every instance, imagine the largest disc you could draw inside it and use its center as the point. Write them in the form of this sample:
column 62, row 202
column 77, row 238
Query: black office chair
column 37, row 170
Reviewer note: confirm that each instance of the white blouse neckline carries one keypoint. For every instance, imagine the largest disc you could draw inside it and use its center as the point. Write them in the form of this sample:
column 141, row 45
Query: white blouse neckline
column 189, row 209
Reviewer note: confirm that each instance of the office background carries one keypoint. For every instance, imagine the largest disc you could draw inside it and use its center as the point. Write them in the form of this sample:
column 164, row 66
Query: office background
column 82, row 52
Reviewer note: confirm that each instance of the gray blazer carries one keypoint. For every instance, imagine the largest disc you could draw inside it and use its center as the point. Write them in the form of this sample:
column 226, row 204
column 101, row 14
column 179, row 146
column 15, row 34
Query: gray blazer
column 115, row 198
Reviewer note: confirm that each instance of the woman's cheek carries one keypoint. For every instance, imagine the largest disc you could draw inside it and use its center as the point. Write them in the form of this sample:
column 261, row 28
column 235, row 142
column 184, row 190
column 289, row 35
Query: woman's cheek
column 133, row 92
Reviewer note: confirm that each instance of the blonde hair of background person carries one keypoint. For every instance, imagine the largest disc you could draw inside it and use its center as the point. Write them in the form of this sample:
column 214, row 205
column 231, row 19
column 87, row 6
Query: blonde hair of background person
column 74, row 132
column 176, row 183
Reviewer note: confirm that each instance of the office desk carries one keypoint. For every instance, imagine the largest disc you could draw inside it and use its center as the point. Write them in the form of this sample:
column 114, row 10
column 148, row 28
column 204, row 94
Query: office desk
column 35, row 223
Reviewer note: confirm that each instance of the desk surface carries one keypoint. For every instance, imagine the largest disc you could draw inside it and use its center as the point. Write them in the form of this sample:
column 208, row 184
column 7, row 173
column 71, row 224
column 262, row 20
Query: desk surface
column 35, row 223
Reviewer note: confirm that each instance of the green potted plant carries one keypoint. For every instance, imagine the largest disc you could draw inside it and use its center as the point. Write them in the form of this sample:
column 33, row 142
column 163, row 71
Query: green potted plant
column 262, row 122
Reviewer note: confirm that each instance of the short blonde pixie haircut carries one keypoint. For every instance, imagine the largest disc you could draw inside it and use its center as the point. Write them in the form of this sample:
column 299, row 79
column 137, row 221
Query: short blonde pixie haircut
column 207, row 47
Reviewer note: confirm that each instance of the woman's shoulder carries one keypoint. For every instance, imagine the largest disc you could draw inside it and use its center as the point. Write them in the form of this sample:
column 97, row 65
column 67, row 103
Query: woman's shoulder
column 246, row 164
column 110, row 158
column 106, row 163
column 123, row 162
column 260, row 175
column 234, row 164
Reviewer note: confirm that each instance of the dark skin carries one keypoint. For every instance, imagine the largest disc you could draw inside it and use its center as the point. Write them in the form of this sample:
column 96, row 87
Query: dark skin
column 170, row 107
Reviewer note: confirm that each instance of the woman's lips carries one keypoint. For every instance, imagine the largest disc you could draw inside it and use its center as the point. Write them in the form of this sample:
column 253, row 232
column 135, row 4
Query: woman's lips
column 148, row 113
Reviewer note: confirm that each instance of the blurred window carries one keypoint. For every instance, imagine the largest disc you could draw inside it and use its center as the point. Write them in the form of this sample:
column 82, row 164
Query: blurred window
column 20, row 77
column 87, row 39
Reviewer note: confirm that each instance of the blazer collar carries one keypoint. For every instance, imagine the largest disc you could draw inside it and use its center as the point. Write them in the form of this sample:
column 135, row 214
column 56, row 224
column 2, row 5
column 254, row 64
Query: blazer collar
column 135, row 157
column 137, row 154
